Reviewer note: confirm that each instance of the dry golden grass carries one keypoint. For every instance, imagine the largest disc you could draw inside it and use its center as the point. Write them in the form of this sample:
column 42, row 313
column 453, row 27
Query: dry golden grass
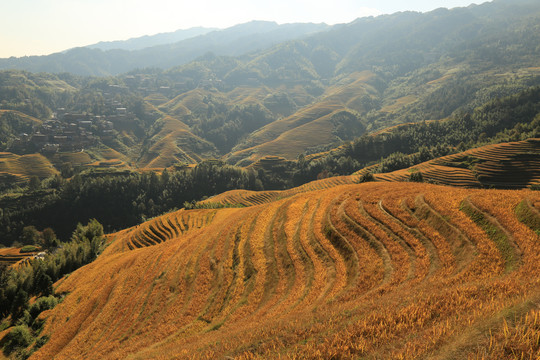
column 293, row 142
column 111, row 163
column 375, row 270
column 156, row 99
column 303, row 116
column 350, row 91
column 440, row 80
column 79, row 158
column 185, row 103
column 246, row 95
column 111, row 154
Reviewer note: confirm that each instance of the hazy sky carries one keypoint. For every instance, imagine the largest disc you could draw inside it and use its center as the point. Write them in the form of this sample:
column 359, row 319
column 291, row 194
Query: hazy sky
column 38, row 27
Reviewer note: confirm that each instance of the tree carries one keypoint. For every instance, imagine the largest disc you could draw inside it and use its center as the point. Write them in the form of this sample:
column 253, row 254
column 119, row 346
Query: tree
column 34, row 183
column 19, row 304
column 66, row 170
column 5, row 300
column 49, row 239
column 19, row 337
column 30, row 235
column 43, row 283
column 92, row 233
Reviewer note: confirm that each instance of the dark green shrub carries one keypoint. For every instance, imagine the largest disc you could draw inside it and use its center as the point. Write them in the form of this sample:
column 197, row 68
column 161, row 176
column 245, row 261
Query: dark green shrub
column 368, row 176
column 19, row 337
column 416, row 176
column 41, row 341
column 42, row 304
column 29, row 248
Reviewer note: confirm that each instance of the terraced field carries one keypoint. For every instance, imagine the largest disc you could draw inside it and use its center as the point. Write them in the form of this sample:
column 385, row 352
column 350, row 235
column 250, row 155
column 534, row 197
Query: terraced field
column 375, row 270
column 165, row 227
column 506, row 165
column 25, row 166
column 23, row 116
column 79, row 158
column 14, row 257
column 249, row 198
column 310, row 126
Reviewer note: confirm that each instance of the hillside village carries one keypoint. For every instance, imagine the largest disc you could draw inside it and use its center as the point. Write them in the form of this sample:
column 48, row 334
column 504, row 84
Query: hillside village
column 68, row 131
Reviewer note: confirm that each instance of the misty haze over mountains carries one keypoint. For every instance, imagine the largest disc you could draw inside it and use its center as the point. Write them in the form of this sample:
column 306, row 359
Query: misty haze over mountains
column 435, row 32
column 163, row 50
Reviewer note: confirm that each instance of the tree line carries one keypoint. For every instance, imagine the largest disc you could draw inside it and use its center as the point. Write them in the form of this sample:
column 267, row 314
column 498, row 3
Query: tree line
column 35, row 280
column 118, row 200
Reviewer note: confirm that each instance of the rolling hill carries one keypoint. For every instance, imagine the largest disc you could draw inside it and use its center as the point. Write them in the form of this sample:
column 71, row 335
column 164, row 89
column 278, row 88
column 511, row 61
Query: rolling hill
column 439, row 260
column 312, row 125
column 375, row 270
column 174, row 143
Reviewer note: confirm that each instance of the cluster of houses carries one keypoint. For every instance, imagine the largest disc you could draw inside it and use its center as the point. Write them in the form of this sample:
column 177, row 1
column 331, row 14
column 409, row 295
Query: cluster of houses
column 66, row 132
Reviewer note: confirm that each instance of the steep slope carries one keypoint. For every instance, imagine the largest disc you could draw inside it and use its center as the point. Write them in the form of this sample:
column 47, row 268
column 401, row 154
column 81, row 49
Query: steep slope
column 313, row 125
column 33, row 94
column 376, row 270
column 307, row 95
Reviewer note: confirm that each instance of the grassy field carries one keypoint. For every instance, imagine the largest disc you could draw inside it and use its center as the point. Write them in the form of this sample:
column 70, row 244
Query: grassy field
column 505, row 165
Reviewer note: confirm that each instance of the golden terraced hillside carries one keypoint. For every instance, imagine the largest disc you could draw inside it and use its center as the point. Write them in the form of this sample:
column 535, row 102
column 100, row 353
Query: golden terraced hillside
column 372, row 271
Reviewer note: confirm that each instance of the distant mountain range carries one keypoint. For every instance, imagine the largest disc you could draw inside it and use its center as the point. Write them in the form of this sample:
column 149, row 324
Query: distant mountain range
column 163, row 50
column 151, row 40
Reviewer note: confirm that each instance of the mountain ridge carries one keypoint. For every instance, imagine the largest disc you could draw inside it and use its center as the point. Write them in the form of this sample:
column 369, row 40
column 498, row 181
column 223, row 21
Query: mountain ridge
column 235, row 40
column 138, row 43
